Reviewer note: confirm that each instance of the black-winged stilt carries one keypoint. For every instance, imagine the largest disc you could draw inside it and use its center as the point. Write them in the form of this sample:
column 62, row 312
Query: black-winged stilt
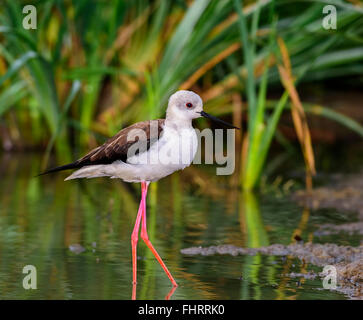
column 145, row 152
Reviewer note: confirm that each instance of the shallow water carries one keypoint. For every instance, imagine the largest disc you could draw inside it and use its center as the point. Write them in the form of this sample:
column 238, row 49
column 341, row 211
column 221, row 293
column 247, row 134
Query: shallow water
column 41, row 217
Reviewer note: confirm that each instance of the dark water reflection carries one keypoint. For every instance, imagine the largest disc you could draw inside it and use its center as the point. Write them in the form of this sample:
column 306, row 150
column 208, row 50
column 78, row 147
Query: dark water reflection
column 41, row 217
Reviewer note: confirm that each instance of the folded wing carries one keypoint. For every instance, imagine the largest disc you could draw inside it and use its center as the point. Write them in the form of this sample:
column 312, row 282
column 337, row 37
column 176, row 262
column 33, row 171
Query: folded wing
column 116, row 148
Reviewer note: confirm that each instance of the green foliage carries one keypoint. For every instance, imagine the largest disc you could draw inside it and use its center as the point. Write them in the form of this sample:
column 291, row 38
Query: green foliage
column 92, row 67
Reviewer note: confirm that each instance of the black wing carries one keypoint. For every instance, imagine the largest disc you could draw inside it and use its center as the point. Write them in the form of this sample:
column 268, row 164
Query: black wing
column 116, row 148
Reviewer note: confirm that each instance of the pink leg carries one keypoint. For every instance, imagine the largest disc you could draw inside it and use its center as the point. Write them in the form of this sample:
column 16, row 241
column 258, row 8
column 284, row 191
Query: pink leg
column 134, row 239
column 145, row 237
column 171, row 292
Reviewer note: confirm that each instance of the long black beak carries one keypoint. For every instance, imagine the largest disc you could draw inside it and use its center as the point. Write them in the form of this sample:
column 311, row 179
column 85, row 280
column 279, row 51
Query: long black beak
column 208, row 116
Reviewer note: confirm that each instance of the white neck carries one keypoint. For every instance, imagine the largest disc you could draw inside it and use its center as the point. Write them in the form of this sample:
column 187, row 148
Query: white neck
column 176, row 120
column 178, row 123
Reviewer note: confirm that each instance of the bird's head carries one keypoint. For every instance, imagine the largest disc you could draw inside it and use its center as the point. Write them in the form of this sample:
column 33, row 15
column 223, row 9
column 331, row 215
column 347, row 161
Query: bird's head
column 186, row 105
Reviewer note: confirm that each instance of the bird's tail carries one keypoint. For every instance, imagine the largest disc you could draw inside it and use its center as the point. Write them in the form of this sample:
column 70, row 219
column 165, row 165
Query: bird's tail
column 73, row 165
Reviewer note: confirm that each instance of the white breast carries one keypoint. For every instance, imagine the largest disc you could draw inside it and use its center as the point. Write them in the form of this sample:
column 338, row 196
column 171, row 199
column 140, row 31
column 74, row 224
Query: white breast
column 175, row 150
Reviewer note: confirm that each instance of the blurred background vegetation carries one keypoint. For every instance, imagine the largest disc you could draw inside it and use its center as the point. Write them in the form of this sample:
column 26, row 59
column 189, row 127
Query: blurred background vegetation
column 93, row 67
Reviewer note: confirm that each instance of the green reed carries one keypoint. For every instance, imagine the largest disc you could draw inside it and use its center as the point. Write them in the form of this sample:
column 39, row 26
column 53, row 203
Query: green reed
column 93, row 67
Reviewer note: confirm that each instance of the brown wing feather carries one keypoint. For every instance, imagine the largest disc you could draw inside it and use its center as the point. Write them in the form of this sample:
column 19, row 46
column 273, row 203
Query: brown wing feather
column 116, row 148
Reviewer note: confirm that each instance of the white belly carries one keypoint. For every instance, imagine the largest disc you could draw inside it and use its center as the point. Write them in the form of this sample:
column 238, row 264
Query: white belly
column 174, row 151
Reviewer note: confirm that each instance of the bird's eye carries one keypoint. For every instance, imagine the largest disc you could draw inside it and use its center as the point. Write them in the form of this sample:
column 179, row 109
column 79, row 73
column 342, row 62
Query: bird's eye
column 189, row 105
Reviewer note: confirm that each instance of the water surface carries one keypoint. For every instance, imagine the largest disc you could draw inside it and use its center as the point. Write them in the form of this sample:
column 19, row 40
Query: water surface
column 41, row 217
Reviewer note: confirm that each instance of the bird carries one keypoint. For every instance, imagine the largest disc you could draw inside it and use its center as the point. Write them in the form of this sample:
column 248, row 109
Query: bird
column 146, row 152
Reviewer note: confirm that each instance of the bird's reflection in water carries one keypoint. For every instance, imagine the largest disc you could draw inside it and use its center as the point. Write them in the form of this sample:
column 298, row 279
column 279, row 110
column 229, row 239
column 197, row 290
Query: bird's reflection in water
column 167, row 297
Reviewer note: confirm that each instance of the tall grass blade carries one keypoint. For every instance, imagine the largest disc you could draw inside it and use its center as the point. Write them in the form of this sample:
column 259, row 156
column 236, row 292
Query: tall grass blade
column 298, row 115
column 248, row 58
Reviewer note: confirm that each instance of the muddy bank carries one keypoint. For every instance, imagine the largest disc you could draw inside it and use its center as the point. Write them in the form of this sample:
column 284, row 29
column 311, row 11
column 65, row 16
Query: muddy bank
column 344, row 192
column 347, row 260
